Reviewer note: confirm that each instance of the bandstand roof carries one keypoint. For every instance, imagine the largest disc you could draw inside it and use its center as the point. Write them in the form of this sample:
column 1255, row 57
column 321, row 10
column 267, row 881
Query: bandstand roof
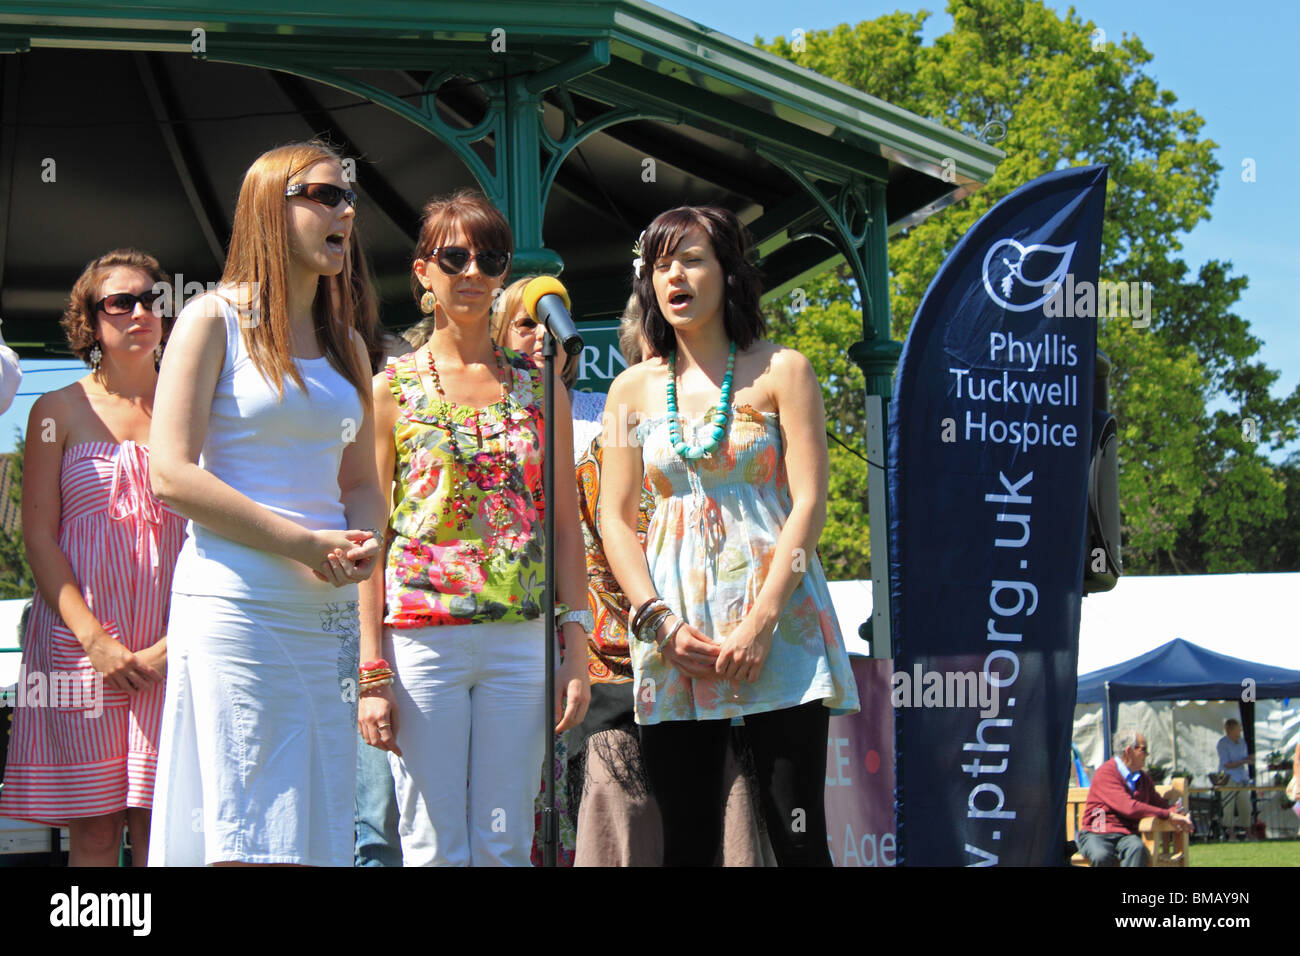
column 131, row 123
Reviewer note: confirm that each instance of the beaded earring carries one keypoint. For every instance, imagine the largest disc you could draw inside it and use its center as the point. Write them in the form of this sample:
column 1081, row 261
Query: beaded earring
column 96, row 356
column 428, row 302
column 157, row 355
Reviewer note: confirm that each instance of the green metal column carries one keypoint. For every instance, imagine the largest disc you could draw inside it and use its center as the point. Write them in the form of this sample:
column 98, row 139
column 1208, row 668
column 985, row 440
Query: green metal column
column 517, row 159
column 877, row 354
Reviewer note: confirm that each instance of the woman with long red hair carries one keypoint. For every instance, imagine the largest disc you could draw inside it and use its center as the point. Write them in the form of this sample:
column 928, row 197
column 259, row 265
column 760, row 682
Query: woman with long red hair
column 263, row 438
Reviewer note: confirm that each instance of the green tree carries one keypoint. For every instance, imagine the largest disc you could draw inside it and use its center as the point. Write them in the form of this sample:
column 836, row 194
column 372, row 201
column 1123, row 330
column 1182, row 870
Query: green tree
column 1193, row 496
column 16, row 579
column 822, row 321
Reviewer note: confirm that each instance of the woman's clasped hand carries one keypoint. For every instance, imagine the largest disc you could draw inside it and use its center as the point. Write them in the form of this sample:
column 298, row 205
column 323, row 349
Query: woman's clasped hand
column 349, row 556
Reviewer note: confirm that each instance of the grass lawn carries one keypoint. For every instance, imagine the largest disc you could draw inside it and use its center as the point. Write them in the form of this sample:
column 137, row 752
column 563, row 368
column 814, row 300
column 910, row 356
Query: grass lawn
column 1261, row 853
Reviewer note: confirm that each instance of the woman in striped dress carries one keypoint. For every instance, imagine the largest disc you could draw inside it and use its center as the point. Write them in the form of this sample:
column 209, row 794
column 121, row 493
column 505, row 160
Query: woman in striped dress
column 102, row 548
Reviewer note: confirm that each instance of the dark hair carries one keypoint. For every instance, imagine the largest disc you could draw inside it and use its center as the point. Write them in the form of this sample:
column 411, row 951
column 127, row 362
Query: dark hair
column 481, row 222
column 741, row 316
column 79, row 322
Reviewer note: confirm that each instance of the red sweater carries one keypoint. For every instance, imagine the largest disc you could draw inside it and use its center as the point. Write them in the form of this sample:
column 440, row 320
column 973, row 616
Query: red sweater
column 1112, row 809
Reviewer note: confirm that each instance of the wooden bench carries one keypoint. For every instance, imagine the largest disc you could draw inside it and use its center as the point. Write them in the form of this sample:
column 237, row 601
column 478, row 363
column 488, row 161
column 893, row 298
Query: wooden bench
column 1075, row 799
column 1166, row 845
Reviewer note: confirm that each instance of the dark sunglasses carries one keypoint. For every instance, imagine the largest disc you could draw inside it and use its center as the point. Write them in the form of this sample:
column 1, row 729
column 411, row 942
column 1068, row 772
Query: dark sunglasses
column 327, row 194
column 123, row 303
column 453, row 260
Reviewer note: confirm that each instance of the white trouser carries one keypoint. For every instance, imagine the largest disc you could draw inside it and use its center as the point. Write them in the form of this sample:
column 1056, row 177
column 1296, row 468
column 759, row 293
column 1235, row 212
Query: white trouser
column 471, row 729
column 1236, row 808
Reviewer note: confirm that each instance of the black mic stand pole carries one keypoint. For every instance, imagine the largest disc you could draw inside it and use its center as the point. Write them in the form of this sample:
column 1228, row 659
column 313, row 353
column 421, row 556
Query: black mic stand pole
column 550, row 825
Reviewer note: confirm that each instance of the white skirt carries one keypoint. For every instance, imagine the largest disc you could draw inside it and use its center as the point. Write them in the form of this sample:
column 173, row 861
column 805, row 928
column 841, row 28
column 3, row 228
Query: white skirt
column 257, row 757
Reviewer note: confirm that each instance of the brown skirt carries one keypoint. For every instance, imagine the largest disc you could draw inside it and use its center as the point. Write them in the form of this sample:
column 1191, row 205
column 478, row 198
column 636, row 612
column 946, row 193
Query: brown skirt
column 618, row 826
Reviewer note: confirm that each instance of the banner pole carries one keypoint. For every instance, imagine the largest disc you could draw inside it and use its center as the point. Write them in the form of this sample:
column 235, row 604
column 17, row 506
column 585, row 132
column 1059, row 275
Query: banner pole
column 882, row 635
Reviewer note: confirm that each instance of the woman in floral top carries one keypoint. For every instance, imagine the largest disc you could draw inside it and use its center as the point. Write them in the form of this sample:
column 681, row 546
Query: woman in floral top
column 458, row 615
column 733, row 617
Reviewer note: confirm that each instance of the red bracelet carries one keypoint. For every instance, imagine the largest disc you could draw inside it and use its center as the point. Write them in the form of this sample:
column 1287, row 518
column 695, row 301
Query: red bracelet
column 378, row 665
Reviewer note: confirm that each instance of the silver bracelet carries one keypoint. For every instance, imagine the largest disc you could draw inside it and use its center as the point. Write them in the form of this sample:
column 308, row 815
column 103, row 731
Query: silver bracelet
column 671, row 634
column 584, row 619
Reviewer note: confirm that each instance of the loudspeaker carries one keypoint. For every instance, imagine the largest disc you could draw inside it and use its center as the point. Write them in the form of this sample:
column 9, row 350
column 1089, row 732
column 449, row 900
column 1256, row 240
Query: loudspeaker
column 1103, row 562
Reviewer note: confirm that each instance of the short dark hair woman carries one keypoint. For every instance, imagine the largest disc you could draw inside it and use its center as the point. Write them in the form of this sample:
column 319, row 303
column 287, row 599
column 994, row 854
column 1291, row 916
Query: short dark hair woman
column 732, row 616
column 453, row 626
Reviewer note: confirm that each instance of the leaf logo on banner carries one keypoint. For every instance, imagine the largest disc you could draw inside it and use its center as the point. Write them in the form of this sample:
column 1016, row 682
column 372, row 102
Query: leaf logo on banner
column 1021, row 271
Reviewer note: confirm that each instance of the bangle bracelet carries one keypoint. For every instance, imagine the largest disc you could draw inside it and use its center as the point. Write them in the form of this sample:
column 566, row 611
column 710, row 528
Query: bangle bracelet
column 377, row 665
column 652, row 622
column 638, row 619
column 635, row 619
column 671, row 634
column 643, row 609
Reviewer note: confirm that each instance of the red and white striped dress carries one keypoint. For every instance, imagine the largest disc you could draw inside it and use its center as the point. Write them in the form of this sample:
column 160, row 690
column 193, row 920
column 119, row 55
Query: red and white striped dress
column 64, row 761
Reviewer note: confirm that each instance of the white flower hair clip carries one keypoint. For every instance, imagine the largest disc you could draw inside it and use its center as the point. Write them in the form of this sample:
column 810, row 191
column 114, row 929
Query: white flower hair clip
column 639, row 261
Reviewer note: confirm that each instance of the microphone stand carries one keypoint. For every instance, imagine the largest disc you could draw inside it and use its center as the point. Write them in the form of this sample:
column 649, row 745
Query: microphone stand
column 550, row 824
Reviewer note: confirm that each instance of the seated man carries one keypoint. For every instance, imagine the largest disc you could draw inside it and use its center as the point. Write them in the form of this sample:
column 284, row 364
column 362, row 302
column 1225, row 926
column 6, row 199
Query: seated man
column 1233, row 760
column 1120, row 796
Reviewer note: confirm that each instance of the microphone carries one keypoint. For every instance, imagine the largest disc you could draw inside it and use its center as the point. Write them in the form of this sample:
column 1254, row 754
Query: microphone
column 547, row 302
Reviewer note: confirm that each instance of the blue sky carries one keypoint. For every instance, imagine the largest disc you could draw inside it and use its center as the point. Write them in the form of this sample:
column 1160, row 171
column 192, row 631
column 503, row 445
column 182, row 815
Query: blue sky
column 1237, row 67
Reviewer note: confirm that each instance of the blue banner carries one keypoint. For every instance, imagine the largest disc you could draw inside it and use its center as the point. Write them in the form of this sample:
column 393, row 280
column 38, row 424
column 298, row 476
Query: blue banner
column 989, row 432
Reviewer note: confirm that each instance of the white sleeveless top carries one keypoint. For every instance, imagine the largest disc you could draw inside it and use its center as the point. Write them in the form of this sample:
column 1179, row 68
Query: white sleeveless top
column 282, row 453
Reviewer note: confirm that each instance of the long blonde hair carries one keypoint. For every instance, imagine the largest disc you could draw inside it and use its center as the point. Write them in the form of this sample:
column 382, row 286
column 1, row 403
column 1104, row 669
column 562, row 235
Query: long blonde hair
column 258, row 260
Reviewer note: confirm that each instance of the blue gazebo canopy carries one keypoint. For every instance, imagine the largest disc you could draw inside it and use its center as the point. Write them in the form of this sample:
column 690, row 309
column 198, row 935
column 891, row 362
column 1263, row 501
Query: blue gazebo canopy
column 1181, row 670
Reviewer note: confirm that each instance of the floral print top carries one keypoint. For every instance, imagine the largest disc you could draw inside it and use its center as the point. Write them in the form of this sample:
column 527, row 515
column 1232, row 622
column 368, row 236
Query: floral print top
column 608, row 657
column 480, row 558
column 710, row 544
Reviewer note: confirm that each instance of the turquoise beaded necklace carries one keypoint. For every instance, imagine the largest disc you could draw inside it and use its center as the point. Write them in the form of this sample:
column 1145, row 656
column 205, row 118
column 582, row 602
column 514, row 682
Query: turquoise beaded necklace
column 693, row 452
